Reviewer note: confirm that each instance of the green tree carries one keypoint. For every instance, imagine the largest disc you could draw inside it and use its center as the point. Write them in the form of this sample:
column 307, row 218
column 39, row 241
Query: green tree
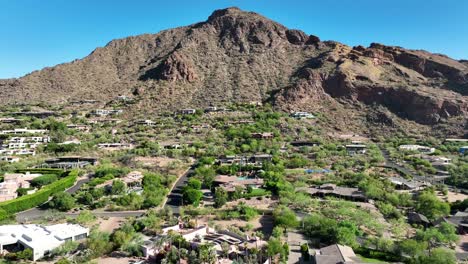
column 438, row 256
column 220, row 197
column 428, row 204
column 62, row 201
column 192, row 196
column 99, row 243
column 118, row 187
column 412, row 248
column 285, row 217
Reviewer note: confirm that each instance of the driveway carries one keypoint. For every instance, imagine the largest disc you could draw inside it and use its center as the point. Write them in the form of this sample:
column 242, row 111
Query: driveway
column 174, row 199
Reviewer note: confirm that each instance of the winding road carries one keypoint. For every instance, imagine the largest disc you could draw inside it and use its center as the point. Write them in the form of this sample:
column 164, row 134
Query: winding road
column 174, row 199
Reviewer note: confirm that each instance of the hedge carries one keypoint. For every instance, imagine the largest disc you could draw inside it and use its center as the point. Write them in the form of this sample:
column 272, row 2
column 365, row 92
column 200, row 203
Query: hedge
column 58, row 172
column 32, row 200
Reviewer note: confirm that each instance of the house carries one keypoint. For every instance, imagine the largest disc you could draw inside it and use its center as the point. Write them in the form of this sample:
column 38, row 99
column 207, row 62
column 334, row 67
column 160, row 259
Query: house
column 459, row 222
column 259, row 159
column 9, row 159
column 302, row 115
column 19, row 131
column 187, row 111
column 70, row 162
column 40, row 239
column 229, row 183
column 115, row 146
column 353, row 149
column 256, row 160
column 82, row 128
column 13, row 181
column 106, row 112
column 418, row 219
column 456, row 140
column 304, row 143
column 329, row 189
column 13, row 152
column 418, row 148
column 145, row 122
column 10, row 120
column 404, row 184
column 211, row 109
column 105, row 121
column 264, row 135
column 463, row 150
column 336, row 254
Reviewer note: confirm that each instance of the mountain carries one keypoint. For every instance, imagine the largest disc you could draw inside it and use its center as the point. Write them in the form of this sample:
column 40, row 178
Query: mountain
column 238, row 56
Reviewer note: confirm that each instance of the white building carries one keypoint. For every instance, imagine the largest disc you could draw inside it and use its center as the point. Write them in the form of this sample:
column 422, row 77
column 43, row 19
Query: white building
column 40, row 239
column 9, row 159
column 19, row 131
column 301, row 115
column 418, row 148
column 106, row 112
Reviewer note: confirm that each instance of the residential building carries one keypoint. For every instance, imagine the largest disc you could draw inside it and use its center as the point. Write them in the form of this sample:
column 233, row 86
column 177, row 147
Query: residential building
column 264, row 135
column 13, row 181
column 418, row 219
column 40, row 239
column 302, row 115
column 9, row 159
column 10, row 120
column 337, row 254
column 354, row 149
column 418, row 148
column 70, row 162
column 304, row 143
column 107, row 112
column 19, row 131
column 404, row 184
column 145, row 122
column 329, row 189
column 456, row 140
column 115, row 146
column 256, row 160
column 188, row 111
column 82, row 128
column 229, row 183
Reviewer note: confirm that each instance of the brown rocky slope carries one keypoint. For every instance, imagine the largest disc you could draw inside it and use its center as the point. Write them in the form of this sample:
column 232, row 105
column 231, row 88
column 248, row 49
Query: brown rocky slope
column 238, row 56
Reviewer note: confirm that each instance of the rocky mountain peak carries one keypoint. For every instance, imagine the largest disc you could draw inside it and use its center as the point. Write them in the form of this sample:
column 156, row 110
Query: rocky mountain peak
column 238, row 56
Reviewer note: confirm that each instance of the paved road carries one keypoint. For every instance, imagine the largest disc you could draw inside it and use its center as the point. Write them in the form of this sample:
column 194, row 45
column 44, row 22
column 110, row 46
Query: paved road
column 174, row 200
column 38, row 212
column 78, row 185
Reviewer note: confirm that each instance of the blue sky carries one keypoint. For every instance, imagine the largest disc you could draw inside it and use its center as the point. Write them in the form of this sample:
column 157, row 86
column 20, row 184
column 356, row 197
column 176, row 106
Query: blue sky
column 39, row 33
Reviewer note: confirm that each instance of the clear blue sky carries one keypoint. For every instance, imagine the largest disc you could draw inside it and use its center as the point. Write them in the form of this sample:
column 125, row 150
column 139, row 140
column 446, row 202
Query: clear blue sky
column 39, row 33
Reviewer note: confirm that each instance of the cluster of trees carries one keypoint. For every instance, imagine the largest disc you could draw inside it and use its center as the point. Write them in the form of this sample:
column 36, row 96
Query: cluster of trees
column 191, row 193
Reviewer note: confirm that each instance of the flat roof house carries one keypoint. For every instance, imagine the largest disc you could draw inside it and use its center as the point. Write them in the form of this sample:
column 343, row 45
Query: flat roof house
column 40, row 239
column 229, row 183
column 188, row 111
column 70, row 162
column 353, row 149
column 264, row 135
column 329, row 189
column 19, row 131
column 418, row 148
